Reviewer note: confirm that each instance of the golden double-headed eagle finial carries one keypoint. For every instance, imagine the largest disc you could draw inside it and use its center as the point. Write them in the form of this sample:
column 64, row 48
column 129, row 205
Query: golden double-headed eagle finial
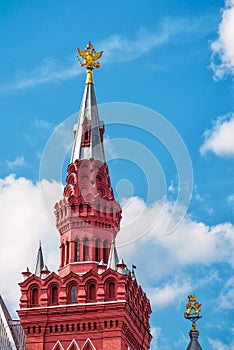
column 90, row 57
column 193, row 310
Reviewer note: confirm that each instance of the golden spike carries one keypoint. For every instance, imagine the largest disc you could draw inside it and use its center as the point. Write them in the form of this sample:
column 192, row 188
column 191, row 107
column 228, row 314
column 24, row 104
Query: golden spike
column 90, row 57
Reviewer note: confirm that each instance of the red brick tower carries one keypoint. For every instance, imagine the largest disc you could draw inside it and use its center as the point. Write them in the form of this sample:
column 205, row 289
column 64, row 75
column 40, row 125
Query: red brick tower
column 94, row 302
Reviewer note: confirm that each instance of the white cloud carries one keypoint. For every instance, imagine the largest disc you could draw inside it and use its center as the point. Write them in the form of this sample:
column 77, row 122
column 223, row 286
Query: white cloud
column 170, row 293
column 222, row 59
column 23, row 223
column 49, row 71
column 18, row 162
column 226, row 299
column 218, row 345
column 44, row 124
column 118, row 48
column 192, row 243
column 230, row 199
column 219, row 139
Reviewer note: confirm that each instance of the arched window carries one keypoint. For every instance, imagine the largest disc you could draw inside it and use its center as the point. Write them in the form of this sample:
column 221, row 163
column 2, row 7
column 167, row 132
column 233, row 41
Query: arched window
column 77, row 250
column 73, row 291
column 54, row 295
column 105, row 251
column 111, row 290
column 34, row 296
column 86, row 249
column 97, row 250
column 91, row 292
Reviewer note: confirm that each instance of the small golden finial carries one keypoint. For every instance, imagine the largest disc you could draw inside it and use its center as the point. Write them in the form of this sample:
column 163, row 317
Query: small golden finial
column 90, row 57
column 193, row 311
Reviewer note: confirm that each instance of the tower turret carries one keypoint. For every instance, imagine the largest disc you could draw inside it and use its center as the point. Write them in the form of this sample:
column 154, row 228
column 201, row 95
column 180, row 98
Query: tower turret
column 93, row 303
column 88, row 217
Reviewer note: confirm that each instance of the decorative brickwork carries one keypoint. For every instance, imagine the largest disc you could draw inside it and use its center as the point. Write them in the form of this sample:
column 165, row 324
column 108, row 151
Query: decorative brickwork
column 94, row 302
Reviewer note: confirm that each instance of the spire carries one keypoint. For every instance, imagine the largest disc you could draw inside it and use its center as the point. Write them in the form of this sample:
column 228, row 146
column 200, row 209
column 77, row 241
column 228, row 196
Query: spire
column 89, row 131
column 113, row 257
column 194, row 343
column 39, row 262
column 193, row 314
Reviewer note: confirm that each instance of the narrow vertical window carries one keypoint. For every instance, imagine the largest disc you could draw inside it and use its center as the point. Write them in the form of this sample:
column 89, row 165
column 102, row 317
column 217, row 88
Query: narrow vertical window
column 73, row 294
column 111, row 290
column 34, row 296
column 54, row 295
column 105, row 251
column 77, row 250
column 92, row 292
column 97, row 250
column 63, row 255
column 67, row 252
column 86, row 249
column 86, row 135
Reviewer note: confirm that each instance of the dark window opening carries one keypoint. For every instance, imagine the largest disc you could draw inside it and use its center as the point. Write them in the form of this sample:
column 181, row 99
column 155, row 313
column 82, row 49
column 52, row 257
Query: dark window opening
column 34, row 297
column 86, row 249
column 105, row 252
column 54, row 295
column 97, row 250
column 92, row 292
column 73, row 294
column 111, row 290
column 77, row 252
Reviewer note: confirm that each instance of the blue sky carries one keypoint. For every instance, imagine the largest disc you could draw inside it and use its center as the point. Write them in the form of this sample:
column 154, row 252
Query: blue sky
column 174, row 57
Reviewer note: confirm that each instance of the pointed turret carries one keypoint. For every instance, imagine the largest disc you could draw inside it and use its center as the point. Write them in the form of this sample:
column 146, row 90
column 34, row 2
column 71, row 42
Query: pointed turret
column 113, row 257
column 89, row 131
column 93, row 298
column 88, row 216
column 194, row 343
column 39, row 262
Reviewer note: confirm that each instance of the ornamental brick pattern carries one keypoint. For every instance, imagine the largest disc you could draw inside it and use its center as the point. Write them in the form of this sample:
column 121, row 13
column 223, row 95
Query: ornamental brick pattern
column 94, row 302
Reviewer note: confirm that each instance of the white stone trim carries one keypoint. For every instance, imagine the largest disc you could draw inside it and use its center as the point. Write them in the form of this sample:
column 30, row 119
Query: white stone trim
column 88, row 341
column 73, row 305
column 73, row 342
column 58, row 343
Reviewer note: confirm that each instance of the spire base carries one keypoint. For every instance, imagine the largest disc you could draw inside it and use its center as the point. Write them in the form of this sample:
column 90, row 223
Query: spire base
column 89, row 79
